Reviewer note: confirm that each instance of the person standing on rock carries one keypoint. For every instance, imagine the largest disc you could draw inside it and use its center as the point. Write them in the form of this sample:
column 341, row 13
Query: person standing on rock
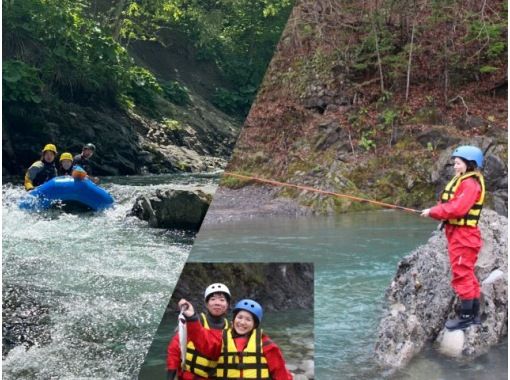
column 65, row 164
column 242, row 351
column 460, row 207
column 83, row 160
column 42, row 170
column 217, row 301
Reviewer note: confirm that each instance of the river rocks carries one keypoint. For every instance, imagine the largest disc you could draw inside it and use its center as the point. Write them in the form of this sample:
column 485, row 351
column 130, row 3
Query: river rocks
column 420, row 299
column 25, row 322
column 495, row 171
column 250, row 202
column 303, row 370
column 183, row 209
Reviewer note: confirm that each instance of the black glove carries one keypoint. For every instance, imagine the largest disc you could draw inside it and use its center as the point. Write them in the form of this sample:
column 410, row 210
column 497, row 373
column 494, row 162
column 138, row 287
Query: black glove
column 171, row 374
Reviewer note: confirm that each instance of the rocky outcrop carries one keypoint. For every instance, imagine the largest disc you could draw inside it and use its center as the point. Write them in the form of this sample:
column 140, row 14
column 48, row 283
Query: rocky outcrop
column 495, row 170
column 251, row 202
column 24, row 320
column 183, row 209
column 277, row 286
column 420, row 299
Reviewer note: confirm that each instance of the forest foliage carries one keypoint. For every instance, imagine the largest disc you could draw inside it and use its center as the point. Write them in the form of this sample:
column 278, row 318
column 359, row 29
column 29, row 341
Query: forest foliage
column 78, row 51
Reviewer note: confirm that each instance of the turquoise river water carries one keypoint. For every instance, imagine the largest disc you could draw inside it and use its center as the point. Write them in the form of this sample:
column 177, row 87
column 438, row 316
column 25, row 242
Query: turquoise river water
column 355, row 258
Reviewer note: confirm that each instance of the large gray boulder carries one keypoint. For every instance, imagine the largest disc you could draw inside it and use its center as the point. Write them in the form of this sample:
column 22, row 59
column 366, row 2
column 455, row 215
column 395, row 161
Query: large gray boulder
column 420, row 300
column 183, row 209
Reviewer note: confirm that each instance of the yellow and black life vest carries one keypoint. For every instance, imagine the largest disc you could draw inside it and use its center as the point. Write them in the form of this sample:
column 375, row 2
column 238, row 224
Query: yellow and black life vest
column 473, row 215
column 249, row 364
column 198, row 363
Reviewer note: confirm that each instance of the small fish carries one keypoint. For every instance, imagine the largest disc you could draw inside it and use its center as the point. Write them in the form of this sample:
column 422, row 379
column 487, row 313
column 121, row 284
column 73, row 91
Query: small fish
column 183, row 338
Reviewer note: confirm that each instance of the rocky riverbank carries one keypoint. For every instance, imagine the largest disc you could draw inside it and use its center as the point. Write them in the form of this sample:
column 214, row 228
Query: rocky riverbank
column 249, row 202
column 420, row 300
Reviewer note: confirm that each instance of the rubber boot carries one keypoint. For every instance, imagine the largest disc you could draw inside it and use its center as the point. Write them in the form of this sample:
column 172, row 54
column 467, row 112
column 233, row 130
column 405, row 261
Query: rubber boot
column 465, row 319
column 476, row 312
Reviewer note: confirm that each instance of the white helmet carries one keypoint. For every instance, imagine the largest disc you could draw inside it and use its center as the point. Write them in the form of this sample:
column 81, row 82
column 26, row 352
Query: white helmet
column 217, row 288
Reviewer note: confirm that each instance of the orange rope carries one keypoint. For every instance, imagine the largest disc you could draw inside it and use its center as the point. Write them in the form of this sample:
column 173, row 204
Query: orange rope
column 308, row 188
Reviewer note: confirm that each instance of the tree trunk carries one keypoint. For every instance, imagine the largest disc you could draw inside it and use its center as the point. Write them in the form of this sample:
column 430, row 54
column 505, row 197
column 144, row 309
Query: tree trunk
column 409, row 63
column 379, row 63
column 117, row 19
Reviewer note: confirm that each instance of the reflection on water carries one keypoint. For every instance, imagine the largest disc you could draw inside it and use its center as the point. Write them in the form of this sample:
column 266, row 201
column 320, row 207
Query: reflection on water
column 355, row 257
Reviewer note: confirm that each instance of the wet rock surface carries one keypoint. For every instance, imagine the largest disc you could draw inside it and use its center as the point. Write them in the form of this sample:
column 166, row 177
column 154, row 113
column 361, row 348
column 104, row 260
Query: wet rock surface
column 420, row 299
column 25, row 322
column 183, row 209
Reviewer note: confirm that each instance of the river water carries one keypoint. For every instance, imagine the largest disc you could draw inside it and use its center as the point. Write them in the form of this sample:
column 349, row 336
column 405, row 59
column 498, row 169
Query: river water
column 355, row 258
column 105, row 277
column 291, row 330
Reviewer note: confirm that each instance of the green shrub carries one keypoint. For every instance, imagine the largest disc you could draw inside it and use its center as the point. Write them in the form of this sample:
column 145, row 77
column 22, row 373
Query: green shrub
column 176, row 93
column 21, row 82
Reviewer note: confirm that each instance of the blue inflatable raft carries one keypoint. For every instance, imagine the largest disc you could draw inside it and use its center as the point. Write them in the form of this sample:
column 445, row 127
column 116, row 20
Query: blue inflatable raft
column 66, row 189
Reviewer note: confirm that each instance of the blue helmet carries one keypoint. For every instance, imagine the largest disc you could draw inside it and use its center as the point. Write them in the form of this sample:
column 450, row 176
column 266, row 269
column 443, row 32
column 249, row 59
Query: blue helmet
column 251, row 306
column 469, row 153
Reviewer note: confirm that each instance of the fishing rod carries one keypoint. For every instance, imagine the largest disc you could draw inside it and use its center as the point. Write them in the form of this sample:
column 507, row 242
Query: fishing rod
column 312, row 189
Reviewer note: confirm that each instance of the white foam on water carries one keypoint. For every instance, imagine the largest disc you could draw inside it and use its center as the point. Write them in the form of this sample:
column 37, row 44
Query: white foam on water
column 105, row 277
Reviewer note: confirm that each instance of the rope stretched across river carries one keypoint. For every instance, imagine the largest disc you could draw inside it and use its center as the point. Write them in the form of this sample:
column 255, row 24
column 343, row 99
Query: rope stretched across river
column 312, row 189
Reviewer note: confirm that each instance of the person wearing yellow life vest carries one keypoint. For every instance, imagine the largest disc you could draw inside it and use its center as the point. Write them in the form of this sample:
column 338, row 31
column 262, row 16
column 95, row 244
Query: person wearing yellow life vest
column 65, row 164
column 460, row 207
column 198, row 366
column 42, row 170
column 242, row 351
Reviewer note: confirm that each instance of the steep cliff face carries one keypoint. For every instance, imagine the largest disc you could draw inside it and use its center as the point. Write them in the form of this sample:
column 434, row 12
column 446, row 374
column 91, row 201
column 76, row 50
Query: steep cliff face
column 365, row 98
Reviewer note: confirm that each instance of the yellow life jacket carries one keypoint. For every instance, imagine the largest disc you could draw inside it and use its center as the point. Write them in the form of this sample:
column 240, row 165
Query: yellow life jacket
column 198, row 363
column 473, row 215
column 249, row 364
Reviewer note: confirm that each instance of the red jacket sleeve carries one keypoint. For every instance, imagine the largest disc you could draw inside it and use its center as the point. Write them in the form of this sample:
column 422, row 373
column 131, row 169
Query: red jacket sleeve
column 205, row 341
column 465, row 197
column 173, row 354
column 275, row 360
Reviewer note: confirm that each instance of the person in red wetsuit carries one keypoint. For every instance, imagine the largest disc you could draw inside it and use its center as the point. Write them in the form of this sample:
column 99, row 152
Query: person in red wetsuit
column 242, row 351
column 460, row 207
column 199, row 366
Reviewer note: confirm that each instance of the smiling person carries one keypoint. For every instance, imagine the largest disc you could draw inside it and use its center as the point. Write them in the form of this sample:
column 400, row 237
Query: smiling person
column 460, row 207
column 198, row 366
column 242, row 351
column 65, row 164
column 42, row 170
